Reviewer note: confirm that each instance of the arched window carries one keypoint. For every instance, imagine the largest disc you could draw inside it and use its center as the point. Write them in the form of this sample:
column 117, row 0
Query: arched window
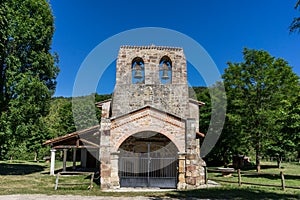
column 137, row 70
column 165, row 70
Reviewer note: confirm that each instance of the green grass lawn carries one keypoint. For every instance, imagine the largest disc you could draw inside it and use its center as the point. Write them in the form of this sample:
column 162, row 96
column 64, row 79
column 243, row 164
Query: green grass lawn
column 291, row 171
column 23, row 177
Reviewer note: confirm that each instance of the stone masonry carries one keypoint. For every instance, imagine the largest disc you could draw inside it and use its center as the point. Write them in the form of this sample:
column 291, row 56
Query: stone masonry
column 151, row 106
column 172, row 98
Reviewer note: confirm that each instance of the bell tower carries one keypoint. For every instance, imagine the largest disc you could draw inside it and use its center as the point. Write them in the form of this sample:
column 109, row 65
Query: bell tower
column 151, row 76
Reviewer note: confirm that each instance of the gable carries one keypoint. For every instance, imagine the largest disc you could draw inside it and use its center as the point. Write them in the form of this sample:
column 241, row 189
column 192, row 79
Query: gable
column 144, row 120
column 145, row 112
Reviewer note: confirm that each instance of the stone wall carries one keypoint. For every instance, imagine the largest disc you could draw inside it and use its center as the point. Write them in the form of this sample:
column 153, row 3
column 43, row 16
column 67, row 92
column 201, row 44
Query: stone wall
column 194, row 113
column 148, row 119
column 194, row 165
column 172, row 98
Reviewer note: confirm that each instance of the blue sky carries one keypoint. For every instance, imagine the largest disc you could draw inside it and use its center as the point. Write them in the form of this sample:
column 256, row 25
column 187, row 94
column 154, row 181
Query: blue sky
column 223, row 28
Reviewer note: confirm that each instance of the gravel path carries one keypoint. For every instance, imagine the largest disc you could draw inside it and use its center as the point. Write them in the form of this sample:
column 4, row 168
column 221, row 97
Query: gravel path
column 72, row 197
column 65, row 197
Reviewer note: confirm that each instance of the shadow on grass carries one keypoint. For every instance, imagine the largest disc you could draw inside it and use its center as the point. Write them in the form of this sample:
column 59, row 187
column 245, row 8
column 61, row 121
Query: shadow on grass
column 253, row 167
column 231, row 193
column 78, row 168
column 268, row 167
column 292, row 177
column 267, row 176
column 272, row 177
column 19, row 169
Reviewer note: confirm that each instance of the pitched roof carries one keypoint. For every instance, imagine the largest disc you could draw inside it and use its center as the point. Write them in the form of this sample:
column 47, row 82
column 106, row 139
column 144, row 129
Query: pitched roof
column 72, row 135
column 100, row 103
column 200, row 103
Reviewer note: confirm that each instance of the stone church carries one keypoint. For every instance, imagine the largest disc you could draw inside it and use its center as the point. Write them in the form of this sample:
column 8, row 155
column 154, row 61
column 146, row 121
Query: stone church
column 149, row 129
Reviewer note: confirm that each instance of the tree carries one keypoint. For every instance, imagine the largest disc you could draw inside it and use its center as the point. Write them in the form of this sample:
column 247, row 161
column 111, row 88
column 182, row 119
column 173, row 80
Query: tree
column 27, row 71
column 256, row 91
column 59, row 120
column 222, row 151
column 286, row 143
column 295, row 26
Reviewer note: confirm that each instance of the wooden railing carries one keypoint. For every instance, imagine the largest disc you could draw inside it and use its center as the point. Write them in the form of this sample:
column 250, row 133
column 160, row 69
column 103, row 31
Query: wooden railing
column 239, row 173
column 76, row 173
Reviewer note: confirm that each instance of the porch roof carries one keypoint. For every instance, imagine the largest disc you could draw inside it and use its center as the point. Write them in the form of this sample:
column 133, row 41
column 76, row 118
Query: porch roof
column 100, row 103
column 199, row 103
column 74, row 139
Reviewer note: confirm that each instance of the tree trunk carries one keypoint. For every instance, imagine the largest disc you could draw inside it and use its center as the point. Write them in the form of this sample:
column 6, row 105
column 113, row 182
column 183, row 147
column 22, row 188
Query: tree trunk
column 257, row 160
column 225, row 160
column 279, row 159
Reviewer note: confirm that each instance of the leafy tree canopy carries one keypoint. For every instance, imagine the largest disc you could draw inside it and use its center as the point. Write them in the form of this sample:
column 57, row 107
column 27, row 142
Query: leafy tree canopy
column 27, row 71
column 295, row 25
column 258, row 92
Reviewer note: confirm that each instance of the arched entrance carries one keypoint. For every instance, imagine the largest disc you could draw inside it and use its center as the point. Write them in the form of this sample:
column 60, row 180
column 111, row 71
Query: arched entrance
column 148, row 159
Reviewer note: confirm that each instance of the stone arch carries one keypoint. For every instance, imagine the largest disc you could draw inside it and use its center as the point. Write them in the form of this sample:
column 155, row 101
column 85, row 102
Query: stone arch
column 166, row 58
column 168, row 135
column 137, row 70
column 165, row 70
column 136, row 143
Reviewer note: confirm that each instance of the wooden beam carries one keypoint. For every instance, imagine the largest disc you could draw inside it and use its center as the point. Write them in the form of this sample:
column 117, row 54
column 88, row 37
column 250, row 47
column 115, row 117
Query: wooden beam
column 89, row 142
column 200, row 134
column 73, row 146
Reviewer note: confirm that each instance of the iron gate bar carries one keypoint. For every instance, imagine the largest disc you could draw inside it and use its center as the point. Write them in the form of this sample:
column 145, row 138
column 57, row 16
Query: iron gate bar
column 148, row 170
column 148, row 167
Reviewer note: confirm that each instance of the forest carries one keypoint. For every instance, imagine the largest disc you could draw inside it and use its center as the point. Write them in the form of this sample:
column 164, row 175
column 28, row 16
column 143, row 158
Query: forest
column 262, row 92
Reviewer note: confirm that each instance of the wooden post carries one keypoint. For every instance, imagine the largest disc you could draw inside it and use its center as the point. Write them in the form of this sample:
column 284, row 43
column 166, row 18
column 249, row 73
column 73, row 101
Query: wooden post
column 56, row 181
column 74, row 158
column 239, row 177
column 282, row 180
column 92, row 180
column 65, row 160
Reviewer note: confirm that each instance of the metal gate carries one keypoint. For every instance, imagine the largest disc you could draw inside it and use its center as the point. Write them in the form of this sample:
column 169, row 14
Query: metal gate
column 150, row 169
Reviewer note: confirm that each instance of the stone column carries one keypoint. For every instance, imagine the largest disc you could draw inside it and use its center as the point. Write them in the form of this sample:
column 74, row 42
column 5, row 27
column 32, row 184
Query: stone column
column 194, row 165
column 105, row 160
column 105, row 168
column 115, row 179
column 190, row 133
column 65, row 160
column 52, row 160
column 181, row 171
